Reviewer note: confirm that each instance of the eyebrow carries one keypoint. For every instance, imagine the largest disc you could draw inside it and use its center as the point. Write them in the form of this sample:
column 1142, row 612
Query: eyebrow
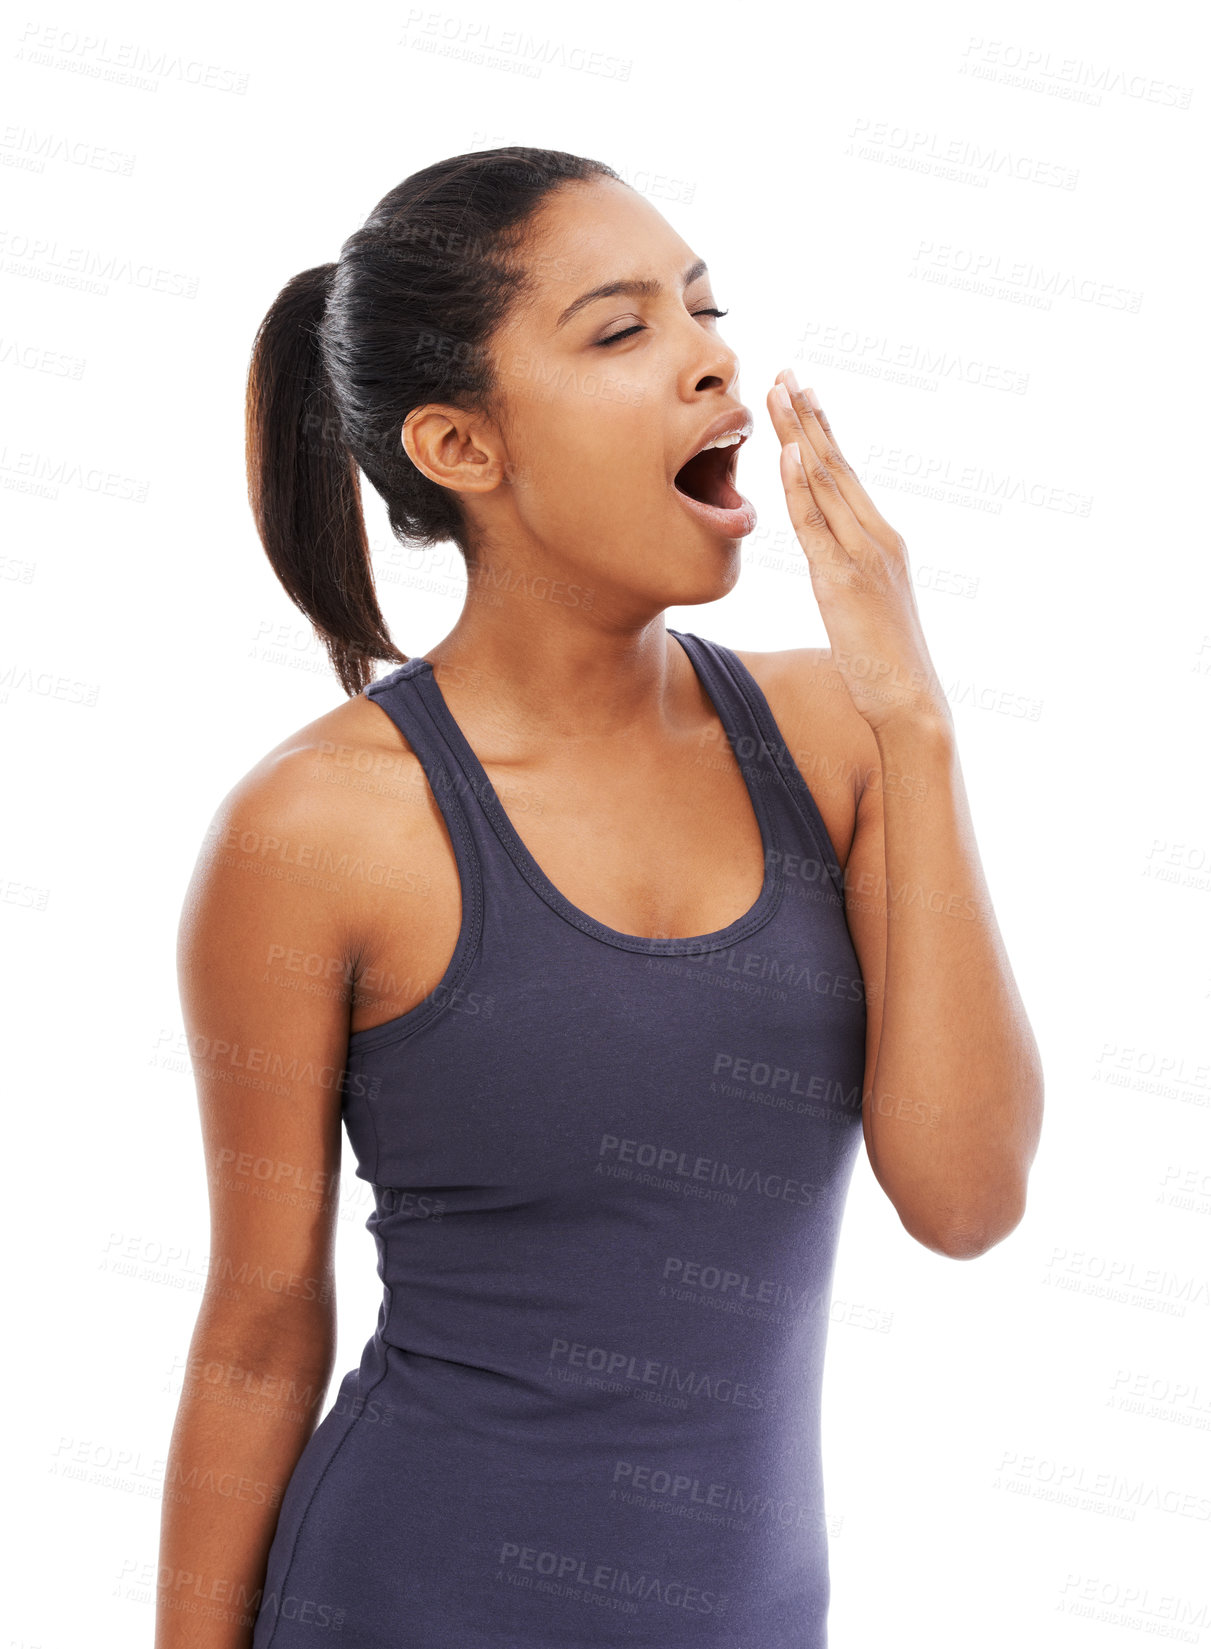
column 634, row 287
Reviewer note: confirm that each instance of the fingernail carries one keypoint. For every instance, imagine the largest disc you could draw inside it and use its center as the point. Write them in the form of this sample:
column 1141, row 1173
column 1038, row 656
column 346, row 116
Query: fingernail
column 782, row 396
column 791, row 380
column 813, row 400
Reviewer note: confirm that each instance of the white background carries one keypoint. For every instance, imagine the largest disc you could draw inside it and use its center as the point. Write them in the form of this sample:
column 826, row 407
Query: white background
column 1019, row 1450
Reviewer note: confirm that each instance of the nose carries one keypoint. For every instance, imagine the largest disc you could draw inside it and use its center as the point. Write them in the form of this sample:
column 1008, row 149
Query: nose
column 712, row 366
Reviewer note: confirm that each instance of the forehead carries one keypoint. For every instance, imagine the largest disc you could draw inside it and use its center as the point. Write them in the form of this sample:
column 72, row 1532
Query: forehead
column 586, row 234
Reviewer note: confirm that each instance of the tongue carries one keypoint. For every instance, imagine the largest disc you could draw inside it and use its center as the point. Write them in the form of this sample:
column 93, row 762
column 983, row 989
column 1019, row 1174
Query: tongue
column 704, row 478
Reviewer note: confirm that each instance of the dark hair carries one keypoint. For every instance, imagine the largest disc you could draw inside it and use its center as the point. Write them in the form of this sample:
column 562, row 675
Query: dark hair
column 349, row 349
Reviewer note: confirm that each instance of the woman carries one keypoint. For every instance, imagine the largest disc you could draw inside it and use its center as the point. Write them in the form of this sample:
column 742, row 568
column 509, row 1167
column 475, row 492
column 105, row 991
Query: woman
column 600, row 986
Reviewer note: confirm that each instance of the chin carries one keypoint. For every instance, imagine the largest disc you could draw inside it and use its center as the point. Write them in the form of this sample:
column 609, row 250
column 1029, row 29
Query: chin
column 701, row 583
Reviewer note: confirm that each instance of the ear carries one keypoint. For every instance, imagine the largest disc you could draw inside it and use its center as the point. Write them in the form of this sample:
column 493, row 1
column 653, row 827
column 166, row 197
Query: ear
column 454, row 448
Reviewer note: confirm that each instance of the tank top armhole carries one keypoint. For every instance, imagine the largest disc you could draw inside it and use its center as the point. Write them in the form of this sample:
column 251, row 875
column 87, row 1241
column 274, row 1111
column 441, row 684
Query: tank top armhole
column 388, row 693
column 796, row 785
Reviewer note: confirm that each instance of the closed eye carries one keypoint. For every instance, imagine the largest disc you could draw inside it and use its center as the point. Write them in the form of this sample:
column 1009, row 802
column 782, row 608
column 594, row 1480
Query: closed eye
column 613, row 339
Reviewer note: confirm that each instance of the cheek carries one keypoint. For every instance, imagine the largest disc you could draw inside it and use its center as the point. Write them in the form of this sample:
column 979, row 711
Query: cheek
column 584, row 444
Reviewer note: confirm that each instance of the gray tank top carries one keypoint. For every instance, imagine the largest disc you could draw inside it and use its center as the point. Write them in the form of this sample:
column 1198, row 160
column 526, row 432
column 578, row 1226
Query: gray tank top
column 608, row 1175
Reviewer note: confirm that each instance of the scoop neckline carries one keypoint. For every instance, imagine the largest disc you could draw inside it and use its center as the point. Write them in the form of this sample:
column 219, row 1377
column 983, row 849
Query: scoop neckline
column 758, row 913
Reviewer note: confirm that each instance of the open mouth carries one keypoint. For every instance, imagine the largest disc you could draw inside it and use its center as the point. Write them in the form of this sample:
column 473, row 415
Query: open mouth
column 707, row 477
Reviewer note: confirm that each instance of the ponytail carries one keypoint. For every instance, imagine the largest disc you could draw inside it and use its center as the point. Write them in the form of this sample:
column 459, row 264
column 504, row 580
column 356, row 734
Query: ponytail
column 303, row 484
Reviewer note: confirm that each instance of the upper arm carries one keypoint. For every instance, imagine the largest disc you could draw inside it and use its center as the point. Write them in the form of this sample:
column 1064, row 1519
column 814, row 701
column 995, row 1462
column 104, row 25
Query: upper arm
column 263, row 959
column 838, row 757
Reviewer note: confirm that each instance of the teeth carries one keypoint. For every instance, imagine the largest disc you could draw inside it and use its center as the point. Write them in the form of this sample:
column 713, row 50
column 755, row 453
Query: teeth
column 723, row 441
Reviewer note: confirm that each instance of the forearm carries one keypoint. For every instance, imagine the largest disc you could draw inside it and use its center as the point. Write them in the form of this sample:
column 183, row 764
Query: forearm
column 953, row 1118
column 241, row 1425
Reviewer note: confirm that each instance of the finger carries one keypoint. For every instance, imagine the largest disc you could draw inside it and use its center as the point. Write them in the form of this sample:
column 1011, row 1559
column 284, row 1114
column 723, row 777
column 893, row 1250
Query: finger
column 814, row 405
column 820, row 478
column 802, row 402
column 818, row 430
column 827, row 559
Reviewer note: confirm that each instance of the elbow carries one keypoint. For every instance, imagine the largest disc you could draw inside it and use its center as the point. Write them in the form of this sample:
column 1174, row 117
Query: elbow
column 290, row 1338
column 969, row 1237
column 967, row 1243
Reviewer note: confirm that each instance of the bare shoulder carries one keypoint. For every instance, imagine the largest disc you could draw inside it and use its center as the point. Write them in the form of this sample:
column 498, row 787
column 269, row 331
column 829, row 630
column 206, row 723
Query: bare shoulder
column 832, row 745
column 339, row 775
column 330, row 822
